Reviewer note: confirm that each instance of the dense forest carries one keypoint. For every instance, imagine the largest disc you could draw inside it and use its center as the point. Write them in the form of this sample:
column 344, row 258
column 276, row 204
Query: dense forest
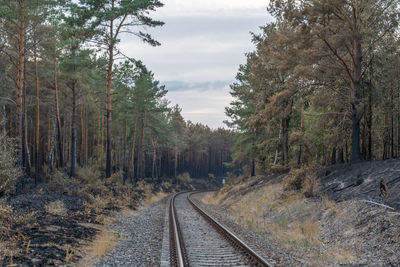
column 322, row 86
column 70, row 98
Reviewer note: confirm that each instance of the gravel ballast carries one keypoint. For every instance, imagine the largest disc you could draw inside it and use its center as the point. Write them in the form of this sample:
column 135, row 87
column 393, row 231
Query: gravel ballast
column 140, row 238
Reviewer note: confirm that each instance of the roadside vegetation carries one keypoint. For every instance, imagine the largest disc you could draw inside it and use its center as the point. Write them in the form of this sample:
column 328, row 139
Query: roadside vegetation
column 316, row 230
column 320, row 88
column 315, row 107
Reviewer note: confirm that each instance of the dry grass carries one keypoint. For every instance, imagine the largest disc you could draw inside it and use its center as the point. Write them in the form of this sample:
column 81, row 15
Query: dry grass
column 95, row 206
column 184, row 178
column 311, row 186
column 288, row 217
column 146, row 188
column 329, row 204
column 104, row 242
column 166, row 185
column 211, row 199
column 220, row 197
column 60, row 182
column 56, row 208
column 340, row 256
column 68, row 254
column 154, row 198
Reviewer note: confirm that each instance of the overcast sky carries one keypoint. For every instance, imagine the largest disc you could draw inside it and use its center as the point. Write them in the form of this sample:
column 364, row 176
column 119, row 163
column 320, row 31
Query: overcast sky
column 203, row 43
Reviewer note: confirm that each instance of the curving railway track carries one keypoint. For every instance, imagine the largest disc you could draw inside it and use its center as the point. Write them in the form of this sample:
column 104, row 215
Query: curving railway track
column 197, row 239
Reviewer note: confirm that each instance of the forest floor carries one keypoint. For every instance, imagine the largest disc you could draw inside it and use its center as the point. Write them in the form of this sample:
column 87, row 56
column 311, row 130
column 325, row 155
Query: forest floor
column 347, row 222
column 45, row 227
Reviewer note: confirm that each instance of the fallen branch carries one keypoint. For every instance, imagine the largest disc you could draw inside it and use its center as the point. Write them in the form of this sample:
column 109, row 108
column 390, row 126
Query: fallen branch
column 366, row 192
column 393, row 181
column 8, row 99
column 379, row 204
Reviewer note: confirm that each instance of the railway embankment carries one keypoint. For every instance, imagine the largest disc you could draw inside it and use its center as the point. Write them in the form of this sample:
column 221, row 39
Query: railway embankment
column 317, row 216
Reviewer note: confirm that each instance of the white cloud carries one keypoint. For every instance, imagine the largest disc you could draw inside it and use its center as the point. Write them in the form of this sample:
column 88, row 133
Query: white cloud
column 209, row 7
column 204, row 106
column 203, row 42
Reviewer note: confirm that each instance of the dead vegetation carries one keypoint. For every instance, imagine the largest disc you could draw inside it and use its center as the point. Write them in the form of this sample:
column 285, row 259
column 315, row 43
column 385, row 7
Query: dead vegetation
column 104, row 242
column 293, row 211
column 9, row 172
column 184, row 178
column 50, row 224
column 56, row 208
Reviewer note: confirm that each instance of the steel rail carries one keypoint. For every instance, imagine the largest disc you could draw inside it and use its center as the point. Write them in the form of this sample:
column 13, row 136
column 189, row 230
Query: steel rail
column 177, row 248
column 233, row 239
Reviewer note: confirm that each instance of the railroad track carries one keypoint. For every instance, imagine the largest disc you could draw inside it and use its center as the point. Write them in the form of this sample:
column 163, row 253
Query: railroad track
column 197, row 239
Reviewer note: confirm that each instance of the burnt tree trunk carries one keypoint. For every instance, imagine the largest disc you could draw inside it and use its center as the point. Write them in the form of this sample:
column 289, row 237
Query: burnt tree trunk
column 20, row 80
column 356, row 95
column 58, row 119
column 37, row 128
column 132, row 176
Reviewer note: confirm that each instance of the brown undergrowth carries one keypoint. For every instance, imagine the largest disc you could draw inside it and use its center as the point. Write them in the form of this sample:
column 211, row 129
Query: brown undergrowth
column 290, row 211
column 65, row 219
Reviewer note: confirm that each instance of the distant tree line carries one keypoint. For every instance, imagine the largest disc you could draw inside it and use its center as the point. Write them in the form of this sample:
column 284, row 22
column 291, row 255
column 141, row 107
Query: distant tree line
column 322, row 86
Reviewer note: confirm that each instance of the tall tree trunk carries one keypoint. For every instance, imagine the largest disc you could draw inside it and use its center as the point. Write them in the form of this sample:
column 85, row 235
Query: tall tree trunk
column 48, row 133
column 176, row 157
column 356, row 95
column 277, row 151
column 253, row 162
column 142, row 155
column 125, row 163
column 108, row 105
column 58, row 120
column 285, row 141
column 37, row 129
column 20, row 80
column 301, row 129
column 27, row 154
column 4, row 126
column 124, row 149
column 102, row 137
column 333, row 159
column 153, row 169
column 340, row 155
column 132, row 177
column 73, row 130
column 392, row 123
column 86, row 136
column 82, row 154
column 52, row 144
column 398, row 121
column 369, row 122
column 66, row 138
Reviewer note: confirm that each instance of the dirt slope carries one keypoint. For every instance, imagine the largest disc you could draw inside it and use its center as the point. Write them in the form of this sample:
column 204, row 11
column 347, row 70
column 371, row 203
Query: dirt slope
column 347, row 223
column 361, row 181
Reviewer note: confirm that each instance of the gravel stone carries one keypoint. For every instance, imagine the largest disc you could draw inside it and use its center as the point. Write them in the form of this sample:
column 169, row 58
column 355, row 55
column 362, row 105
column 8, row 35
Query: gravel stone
column 141, row 238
